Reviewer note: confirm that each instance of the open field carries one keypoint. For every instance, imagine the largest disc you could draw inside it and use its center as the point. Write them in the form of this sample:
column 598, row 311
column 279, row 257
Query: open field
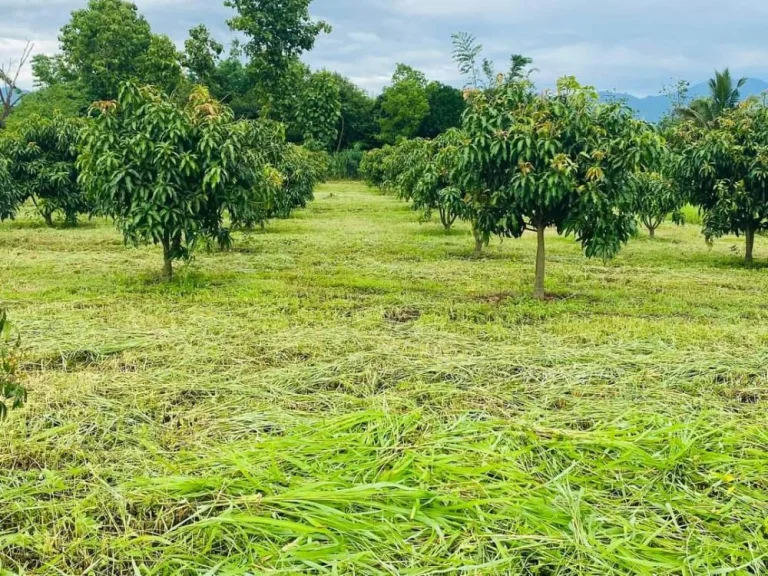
column 352, row 393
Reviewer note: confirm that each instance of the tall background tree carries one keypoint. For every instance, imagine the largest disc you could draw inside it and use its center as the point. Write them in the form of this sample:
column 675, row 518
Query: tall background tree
column 724, row 94
column 277, row 33
column 404, row 105
column 107, row 43
column 356, row 122
column 202, row 56
column 319, row 111
column 446, row 105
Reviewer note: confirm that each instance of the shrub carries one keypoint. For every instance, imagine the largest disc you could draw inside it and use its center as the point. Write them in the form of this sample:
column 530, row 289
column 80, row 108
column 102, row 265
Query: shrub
column 375, row 167
column 10, row 199
column 301, row 170
column 656, row 197
column 345, row 165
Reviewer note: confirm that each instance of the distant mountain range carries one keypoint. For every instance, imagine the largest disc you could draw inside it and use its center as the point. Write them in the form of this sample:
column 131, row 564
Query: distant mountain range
column 652, row 108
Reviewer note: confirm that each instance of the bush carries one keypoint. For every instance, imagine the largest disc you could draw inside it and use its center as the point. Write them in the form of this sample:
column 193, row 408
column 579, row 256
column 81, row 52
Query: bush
column 376, row 167
column 345, row 165
column 301, row 170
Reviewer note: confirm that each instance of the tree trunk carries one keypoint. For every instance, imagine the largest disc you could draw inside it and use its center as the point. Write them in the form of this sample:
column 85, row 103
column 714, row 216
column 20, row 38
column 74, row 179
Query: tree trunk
column 167, row 258
column 48, row 217
column 652, row 231
column 478, row 241
column 538, row 291
column 445, row 218
column 750, row 246
column 341, row 135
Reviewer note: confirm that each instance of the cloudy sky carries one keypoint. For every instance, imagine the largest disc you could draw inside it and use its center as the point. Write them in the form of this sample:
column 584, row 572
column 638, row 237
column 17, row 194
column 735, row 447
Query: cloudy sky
column 633, row 46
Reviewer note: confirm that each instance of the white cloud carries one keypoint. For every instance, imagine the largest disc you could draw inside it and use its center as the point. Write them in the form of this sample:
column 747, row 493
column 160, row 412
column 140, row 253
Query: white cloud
column 628, row 45
column 366, row 37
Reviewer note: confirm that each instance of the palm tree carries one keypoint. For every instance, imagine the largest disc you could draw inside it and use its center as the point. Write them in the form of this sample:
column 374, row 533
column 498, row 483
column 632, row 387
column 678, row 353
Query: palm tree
column 722, row 96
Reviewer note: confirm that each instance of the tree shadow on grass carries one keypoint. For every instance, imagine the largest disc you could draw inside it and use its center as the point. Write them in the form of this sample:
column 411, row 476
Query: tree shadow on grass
column 435, row 231
column 41, row 225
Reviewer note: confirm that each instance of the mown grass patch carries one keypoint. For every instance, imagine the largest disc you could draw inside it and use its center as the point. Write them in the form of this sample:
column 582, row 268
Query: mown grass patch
column 353, row 393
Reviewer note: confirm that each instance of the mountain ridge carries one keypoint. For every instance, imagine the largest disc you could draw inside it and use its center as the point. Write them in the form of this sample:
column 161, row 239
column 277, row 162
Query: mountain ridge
column 653, row 108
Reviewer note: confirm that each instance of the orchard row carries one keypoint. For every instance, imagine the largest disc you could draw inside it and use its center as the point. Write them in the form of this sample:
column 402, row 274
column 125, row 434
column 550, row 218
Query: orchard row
column 525, row 161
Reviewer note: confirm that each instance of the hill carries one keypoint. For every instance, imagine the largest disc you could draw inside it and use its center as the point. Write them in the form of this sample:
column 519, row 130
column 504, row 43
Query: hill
column 652, row 108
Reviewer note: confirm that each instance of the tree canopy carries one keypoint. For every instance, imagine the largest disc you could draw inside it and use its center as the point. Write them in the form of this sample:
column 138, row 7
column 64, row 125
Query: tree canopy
column 725, row 167
column 105, row 44
column 168, row 174
column 724, row 95
column 404, row 105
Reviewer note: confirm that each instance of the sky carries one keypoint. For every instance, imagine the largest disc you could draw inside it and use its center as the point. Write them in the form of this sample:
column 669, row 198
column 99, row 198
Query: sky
column 627, row 46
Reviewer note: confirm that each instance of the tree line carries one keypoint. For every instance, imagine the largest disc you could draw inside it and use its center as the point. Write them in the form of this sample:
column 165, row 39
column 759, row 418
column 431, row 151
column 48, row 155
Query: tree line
column 526, row 161
column 109, row 42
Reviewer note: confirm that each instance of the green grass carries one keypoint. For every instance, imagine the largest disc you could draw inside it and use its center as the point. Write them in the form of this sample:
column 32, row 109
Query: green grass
column 352, row 393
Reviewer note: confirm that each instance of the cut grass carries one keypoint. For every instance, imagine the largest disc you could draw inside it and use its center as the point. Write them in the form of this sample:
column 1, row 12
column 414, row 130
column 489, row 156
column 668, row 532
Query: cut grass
column 353, row 393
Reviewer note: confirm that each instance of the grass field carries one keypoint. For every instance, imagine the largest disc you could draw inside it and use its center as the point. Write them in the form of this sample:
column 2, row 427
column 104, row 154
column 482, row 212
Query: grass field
column 352, row 393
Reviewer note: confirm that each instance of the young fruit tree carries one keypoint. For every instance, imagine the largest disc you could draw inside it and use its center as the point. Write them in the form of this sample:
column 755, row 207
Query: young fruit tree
column 725, row 167
column 301, row 170
column 657, row 196
column 428, row 178
column 560, row 159
column 42, row 158
column 170, row 174
column 12, row 393
column 375, row 166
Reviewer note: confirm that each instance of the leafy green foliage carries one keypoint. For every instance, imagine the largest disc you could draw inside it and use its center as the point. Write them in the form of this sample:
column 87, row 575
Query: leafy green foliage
column 345, row 165
column 301, row 170
column 376, row 167
column 51, row 71
column 555, row 159
column 424, row 173
column 160, row 66
column 107, row 43
column 446, row 105
column 42, row 158
column 202, row 56
column 656, row 196
column 481, row 74
column 12, row 393
column 724, row 165
column 169, row 173
column 320, row 110
column 277, row 32
column 10, row 199
column 357, row 123
column 64, row 99
column 404, row 105
column 439, row 185
column 724, row 95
